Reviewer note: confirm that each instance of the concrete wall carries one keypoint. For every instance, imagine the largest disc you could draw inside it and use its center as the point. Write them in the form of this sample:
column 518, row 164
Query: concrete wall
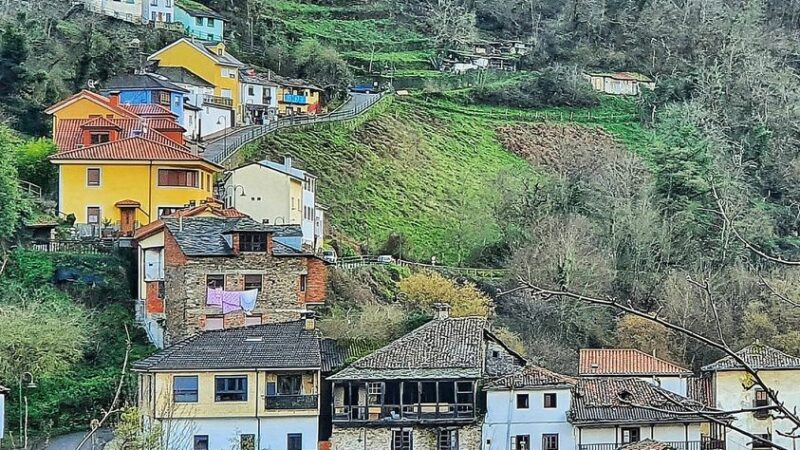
column 504, row 420
column 730, row 394
column 127, row 10
column 164, row 10
column 225, row 433
column 424, row 438
column 200, row 30
column 267, row 194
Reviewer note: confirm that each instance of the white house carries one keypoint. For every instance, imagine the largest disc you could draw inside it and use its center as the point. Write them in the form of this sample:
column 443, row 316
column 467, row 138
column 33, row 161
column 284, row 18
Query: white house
column 277, row 193
column 255, row 387
column 609, row 412
column 627, row 363
column 159, row 11
column 259, row 98
column 3, row 393
column 132, row 11
column 733, row 388
column 204, row 114
column 528, row 409
column 620, row 83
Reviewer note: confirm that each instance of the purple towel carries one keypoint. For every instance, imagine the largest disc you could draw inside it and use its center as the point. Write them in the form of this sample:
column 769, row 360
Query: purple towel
column 231, row 301
column 214, row 297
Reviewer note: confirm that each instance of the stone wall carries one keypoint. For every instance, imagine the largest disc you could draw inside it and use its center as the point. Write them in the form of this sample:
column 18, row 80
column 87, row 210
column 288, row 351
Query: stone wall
column 279, row 298
column 424, row 438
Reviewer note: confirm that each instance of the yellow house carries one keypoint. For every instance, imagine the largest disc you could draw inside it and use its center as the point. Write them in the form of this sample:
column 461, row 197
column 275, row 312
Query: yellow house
column 297, row 97
column 120, row 168
column 211, row 62
column 255, row 387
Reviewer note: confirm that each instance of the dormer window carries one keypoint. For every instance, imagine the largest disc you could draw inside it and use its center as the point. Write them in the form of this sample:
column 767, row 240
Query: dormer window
column 99, row 138
column 252, row 242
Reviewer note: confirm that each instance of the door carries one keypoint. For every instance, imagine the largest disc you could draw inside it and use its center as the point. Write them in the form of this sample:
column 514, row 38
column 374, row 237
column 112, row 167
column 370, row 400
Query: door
column 128, row 217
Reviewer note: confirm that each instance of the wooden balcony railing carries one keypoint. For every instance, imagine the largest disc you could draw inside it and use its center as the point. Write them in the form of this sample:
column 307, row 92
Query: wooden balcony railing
column 705, row 444
column 406, row 413
column 289, row 402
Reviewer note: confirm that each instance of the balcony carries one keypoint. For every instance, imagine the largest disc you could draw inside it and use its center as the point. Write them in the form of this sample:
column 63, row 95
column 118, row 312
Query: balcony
column 291, row 402
column 705, row 444
column 295, row 99
column 218, row 101
column 387, row 414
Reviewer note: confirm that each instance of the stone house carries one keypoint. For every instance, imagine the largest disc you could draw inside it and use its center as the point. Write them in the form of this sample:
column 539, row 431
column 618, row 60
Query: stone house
column 733, row 388
column 183, row 256
column 421, row 391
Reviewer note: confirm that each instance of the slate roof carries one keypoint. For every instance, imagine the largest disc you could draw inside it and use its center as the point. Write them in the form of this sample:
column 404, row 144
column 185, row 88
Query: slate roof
column 292, row 82
column 197, row 9
column 270, row 346
column 625, row 362
column 226, row 59
column 759, row 357
column 205, row 236
column 282, row 249
column 597, row 401
column 183, row 76
column 446, row 348
column 282, row 168
column 250, row 76
column 531, row 377
column 142, row 81
column 646, row 444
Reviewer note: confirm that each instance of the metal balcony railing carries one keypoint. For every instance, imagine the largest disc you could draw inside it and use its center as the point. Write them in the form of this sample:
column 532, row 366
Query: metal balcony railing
column 218, row 101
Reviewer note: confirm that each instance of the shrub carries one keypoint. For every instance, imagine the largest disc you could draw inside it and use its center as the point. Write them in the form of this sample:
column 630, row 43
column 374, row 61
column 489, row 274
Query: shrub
column 423, row 289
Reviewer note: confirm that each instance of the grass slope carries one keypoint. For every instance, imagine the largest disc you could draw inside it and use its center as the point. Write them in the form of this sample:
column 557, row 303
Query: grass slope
column 424, row 168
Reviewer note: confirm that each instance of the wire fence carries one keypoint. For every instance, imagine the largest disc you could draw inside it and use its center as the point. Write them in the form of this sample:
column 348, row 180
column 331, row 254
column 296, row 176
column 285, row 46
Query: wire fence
column 255, row 133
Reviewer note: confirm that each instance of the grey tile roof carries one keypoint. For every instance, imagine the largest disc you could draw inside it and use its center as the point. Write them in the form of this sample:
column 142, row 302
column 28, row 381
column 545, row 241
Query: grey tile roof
column 142, row 81
column 205, row 236
column 225, row 59
column 647, row 444
column 281, row 167
column 452, row 347
column 282, row 249
column 271, row 346
column 758, row 356
column 531, row 377
column 197, row 9
column 603, row 400
column 255, row 78
column 183, row 76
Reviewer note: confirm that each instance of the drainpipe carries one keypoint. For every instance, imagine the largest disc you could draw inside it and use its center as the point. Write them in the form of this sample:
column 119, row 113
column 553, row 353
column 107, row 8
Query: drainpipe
column 258, row 416
column 150, row 194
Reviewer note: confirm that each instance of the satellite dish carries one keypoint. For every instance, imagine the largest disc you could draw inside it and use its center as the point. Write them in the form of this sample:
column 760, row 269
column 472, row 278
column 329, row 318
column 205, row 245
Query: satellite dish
column 91, row 84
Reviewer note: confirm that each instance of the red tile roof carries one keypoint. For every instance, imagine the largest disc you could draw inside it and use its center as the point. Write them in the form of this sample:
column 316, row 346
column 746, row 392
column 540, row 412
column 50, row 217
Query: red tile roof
column 149, row 109
column 100, row 122
column 91, row 96
column 625, row 361
column 128, row 202
column 69, row 132
column 132, row 148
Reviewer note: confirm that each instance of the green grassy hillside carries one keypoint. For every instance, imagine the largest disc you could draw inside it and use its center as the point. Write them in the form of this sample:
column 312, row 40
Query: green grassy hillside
column 427, row 169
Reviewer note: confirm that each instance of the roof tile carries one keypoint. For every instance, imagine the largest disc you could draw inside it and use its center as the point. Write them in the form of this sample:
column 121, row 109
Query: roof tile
column 625, row 362
column 758, row 356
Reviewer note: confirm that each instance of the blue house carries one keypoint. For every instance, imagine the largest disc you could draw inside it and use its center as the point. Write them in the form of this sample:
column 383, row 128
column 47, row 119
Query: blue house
column 138, row 89
column 199, row 20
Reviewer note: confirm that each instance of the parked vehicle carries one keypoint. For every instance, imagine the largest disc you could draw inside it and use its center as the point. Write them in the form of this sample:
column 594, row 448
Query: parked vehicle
column 385, row 259
column 330, row 256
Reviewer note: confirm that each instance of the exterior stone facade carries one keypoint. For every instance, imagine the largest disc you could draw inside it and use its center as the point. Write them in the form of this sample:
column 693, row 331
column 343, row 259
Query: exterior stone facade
column 423, row 438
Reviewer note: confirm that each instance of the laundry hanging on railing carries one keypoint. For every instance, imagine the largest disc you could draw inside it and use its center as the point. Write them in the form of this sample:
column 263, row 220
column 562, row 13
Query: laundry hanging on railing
column 232, row 301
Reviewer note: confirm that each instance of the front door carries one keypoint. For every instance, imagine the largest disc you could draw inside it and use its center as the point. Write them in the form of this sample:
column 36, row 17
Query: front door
column 128, row 217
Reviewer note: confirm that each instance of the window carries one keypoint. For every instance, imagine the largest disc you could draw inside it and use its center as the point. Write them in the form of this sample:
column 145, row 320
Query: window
column 251, row 91
column 201, row 442
column 522, row 401
column 294, row 441
column 153, row 16
column 549, row 442
column 762, row 399
column 198, row 21
column 759, row 444
column 214, row 323
column 98, row 138
column 210, row 22
column 303, row 282
column 521, row 442
column 167, row 210
column 375, row 393
column 215, row 281
column 227, row 93
column 252, row 281
column 247, row 442
column 550, row 400
column 169, row 16
column 252, row 242
column 168, row 3
column 230, row 389
column 184, row 389
column 164, row 98
column 93, row 177
column 93, row 215
column 179, row 178
column 448, row 440
column 630, row 435
column 153, row 2
column 289, row 384
column 402, row 440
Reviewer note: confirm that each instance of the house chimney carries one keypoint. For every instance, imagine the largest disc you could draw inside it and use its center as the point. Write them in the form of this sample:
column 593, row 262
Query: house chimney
column 113, row 97
column 442, row 311
column 310, row 320
column 287, row 161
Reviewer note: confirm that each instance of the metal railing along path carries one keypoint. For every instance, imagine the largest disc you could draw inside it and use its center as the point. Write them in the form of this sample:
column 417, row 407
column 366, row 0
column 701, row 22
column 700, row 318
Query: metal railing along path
column 238, row 140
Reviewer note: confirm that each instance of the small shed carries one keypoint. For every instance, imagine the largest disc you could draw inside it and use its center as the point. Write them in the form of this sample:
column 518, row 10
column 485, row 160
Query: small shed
column 620, row 83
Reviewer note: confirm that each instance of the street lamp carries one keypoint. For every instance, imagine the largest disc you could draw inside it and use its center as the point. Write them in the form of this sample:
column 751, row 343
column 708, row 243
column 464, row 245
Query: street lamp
column 233, row 189
column 23, row 403
column 223, row 120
